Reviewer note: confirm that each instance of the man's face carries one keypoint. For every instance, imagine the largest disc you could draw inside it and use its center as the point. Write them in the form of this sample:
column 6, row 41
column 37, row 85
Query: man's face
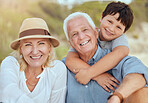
column 111, row 28
column 81, row 35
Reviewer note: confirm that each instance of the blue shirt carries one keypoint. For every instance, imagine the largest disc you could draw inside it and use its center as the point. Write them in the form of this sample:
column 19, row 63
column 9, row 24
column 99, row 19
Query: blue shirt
column 93, row 92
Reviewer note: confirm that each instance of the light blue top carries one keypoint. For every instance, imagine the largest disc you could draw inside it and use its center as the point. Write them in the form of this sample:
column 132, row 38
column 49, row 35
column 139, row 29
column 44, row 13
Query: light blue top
column 120, row 41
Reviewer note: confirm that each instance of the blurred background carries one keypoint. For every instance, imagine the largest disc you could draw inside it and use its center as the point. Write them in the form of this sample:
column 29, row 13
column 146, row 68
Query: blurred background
column 13, row 12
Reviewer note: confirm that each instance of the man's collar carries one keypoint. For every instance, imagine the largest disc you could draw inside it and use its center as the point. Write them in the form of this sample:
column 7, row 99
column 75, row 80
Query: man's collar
column 96, row 56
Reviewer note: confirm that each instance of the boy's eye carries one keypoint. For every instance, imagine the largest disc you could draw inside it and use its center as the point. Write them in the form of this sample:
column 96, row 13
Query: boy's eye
column 119, row 27
column 109, row 21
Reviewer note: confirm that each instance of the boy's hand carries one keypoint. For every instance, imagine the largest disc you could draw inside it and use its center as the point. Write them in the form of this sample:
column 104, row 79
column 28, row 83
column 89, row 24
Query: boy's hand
column 107, row 81
column 83, row 76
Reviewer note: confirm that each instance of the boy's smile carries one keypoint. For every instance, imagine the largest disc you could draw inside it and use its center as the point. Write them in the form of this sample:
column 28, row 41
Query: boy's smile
column 111, row 28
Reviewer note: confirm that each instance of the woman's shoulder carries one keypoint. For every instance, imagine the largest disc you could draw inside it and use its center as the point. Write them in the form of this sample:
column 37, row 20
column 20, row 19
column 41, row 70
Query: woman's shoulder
column 9, row 59
column 58, row 62
column 57, row 66
column 10, row 63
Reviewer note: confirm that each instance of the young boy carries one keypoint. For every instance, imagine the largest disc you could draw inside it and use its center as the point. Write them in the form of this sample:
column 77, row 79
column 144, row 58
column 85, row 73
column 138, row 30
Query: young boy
column 116, row 20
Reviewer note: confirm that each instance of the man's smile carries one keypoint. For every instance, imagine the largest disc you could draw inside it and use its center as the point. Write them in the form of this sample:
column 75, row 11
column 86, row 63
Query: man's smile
column 84, row 43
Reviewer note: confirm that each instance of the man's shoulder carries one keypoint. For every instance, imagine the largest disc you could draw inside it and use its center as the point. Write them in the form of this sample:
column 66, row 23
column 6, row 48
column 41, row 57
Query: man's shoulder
column 63, row 60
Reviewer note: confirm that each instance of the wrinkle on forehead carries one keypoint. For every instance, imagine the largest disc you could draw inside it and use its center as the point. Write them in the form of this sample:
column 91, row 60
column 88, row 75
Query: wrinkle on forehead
column 73, row 22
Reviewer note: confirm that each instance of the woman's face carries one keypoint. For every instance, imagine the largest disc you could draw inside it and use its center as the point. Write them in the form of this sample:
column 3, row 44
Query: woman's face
column 35, row 51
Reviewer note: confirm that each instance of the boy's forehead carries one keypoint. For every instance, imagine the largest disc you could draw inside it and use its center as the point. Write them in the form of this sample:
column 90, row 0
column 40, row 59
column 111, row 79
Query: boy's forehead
column 116, row 16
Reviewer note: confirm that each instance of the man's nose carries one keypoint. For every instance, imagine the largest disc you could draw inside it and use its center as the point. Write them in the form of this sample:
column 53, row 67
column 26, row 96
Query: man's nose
column 81, row 35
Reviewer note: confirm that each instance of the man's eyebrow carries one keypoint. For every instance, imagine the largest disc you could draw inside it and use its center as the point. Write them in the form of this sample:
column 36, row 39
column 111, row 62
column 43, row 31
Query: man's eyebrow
column 71, row 32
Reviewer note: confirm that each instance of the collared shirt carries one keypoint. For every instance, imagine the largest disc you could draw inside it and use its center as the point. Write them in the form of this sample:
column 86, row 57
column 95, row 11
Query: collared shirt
column 98, row 55
column 90, row 93
column 93, row 92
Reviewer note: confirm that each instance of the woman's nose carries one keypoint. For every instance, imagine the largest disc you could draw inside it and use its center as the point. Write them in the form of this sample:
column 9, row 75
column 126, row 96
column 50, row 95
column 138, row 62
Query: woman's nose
column 35, row 50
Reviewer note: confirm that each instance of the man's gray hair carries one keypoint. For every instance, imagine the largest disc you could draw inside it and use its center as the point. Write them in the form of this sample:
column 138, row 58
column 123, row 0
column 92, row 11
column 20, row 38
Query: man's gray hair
column 74, row 15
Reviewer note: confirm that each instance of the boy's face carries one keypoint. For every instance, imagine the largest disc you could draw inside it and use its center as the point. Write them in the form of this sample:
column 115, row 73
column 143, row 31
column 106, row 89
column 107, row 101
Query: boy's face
column 110, row 27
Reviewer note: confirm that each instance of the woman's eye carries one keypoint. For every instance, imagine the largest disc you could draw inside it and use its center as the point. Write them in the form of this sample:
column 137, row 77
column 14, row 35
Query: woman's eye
column 27, row 44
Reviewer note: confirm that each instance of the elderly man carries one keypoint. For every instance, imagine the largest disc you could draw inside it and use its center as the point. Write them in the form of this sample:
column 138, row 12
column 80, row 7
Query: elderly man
column 132, row 74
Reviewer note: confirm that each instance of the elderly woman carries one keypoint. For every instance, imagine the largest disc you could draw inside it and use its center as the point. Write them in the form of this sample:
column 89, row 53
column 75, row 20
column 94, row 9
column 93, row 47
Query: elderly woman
column 31, row 75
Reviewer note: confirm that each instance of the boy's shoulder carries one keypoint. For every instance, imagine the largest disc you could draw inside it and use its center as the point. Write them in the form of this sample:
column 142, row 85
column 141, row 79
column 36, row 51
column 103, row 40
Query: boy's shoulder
column 122, row 40
column 122, row 37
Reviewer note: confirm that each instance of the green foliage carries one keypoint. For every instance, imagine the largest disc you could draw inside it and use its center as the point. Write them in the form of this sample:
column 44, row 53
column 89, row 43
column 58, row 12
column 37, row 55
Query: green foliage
column 9, row 24
column 140, row 10
column 54, row 14
column 61, row 52
column 11, row 19
column 94, row 9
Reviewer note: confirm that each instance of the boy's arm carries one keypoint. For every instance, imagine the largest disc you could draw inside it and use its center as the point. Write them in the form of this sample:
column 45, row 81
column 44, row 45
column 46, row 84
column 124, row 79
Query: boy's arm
column 74, row 63
column 104, row 64
column 109, row 61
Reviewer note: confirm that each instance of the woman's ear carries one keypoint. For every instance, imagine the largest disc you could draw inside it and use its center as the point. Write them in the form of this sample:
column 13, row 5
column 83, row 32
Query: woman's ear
column 20, row 47
column 20, row 50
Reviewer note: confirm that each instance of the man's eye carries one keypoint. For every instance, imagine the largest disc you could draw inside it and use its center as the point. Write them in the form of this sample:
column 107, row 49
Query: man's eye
column 74, row 34
column 41, row 43
column 85, row 29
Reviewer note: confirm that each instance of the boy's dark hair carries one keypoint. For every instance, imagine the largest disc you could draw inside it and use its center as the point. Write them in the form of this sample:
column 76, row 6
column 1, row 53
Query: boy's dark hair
column 125, row 13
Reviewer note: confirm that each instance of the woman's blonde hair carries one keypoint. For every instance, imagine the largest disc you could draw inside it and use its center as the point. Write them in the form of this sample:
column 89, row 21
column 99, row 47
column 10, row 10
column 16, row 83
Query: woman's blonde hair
column 23, row 64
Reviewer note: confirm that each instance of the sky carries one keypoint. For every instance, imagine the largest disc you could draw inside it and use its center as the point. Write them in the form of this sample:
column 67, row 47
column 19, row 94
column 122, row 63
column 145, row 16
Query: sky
column 70, row 2
column 79, row 1
column 126, row 1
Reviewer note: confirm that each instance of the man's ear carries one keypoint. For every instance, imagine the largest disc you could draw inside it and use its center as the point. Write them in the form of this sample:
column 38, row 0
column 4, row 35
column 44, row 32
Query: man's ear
column 96, row 32
column 71, row 44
